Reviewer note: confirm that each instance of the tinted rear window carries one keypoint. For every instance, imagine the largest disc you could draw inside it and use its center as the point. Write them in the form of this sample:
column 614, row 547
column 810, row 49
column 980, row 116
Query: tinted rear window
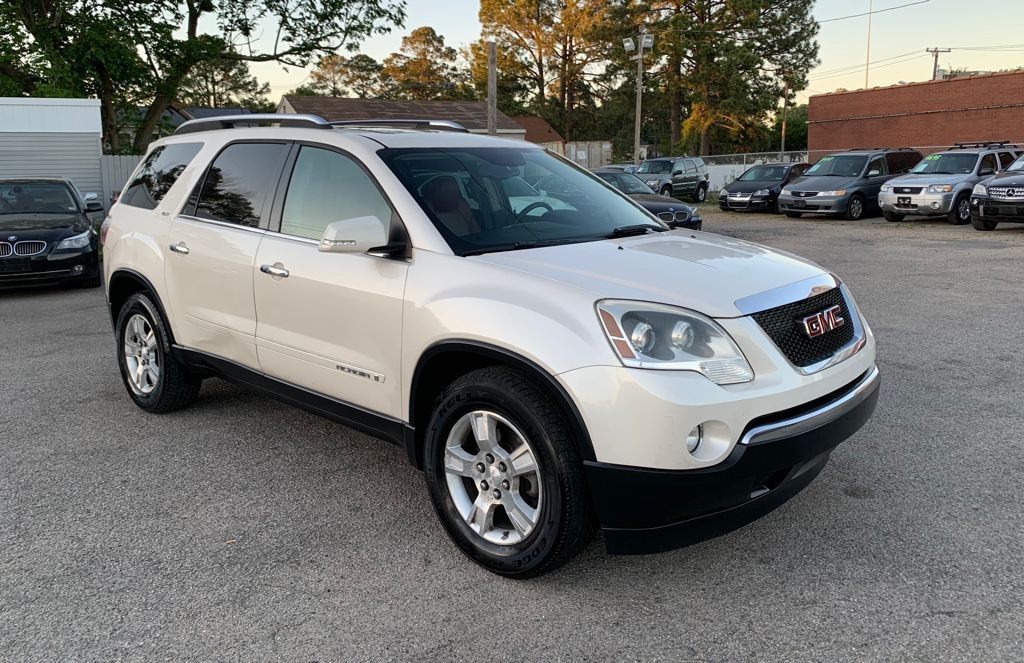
column 240, row 182
column 157, row 174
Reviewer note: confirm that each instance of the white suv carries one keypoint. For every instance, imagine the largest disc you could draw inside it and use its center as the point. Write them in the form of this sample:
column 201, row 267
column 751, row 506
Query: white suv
column 546, row 365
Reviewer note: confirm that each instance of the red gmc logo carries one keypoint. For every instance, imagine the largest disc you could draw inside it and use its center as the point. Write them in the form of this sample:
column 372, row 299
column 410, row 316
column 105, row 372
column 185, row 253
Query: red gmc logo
column 827, row 320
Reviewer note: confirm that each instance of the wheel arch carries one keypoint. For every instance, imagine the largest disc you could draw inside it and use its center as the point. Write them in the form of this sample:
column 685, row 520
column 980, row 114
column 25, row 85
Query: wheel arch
column 443, row 362
column 123, row 284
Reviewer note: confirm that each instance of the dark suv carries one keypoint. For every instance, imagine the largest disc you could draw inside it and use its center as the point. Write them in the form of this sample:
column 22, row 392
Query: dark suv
column 999, row 198
column 676, row 176
column 846, row 183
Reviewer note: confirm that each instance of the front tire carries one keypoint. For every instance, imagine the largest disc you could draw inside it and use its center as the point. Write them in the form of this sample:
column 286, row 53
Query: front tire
column 892, row 217
column 153, row 376
column 504, row 474
column 855, row 208
column 980, row 223
column 794, row 215
column 960, row 213
column 666, row 191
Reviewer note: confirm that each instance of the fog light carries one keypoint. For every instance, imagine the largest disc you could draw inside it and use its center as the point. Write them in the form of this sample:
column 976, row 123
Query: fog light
column 77, row 269
column 935, row 205
column 694, row 439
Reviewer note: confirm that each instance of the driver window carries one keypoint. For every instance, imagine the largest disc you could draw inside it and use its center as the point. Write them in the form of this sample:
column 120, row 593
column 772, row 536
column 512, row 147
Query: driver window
column 988, row 162
column 325, row 187
column 877, row 164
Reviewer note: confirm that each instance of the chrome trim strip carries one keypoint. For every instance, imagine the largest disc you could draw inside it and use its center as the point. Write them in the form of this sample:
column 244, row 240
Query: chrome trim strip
column 225, row 224
column 848, row 350
column 815, row 418
column 787, row 294
column 29, row 241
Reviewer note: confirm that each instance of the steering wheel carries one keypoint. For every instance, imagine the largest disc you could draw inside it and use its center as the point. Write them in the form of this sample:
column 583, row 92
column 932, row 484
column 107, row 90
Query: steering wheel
column 529, row 208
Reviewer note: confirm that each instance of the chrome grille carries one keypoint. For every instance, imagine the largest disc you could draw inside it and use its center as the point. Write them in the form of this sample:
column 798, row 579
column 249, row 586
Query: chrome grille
column 6, row 250
column 29, row 248
column 906, row 189
column 804, row 194
column 681, row 216
column 1006, row 192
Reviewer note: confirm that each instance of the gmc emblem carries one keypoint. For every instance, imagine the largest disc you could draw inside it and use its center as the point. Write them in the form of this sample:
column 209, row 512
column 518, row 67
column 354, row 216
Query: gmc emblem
column 819, row 323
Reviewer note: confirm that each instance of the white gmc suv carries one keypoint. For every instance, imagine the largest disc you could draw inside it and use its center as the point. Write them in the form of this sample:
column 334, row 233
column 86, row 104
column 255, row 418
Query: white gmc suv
column 548, row 355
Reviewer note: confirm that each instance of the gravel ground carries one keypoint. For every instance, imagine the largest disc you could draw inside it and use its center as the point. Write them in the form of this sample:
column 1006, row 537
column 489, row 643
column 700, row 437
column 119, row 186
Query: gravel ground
column 244, row 529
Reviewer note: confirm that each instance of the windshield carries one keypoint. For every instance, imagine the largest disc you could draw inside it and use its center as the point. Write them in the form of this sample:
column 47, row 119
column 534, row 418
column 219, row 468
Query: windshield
column 764, row 174
column 506, row 198
column 840, row 166
column 625, row 182
column 659, row 167
column 1017, row 165
column 957, row 163
column 36, row 198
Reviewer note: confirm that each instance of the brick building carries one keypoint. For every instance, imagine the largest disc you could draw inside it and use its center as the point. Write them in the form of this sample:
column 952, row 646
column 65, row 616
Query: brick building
column 931, row 114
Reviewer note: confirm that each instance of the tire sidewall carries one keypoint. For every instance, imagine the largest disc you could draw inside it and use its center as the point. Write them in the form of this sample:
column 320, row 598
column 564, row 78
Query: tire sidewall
column 140, row 304
column 850, row 207
column 666, row 191
column 519, row 558
column 701, row 195
column 954, row 214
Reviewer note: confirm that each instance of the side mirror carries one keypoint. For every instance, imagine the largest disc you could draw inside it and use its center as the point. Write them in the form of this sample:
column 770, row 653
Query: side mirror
column 93, row 206
column 873, row 173
column 355, row 235
column 986, row 171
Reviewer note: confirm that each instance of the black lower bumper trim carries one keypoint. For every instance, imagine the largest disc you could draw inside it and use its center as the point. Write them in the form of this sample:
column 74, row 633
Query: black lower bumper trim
column 646, row 510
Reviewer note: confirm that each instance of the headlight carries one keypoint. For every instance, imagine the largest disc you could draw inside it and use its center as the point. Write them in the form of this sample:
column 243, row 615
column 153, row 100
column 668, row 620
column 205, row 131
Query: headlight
column 886, row 187
column 668, row 338
column 836, row 193
column 939, row 188
column 761, row 192
column 980, row 190
column 76, row 242
column 787, row 192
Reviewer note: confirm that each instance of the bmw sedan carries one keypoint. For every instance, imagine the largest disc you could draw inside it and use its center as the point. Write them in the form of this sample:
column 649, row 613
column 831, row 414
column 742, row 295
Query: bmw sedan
column 669, row 210
column 46, row 235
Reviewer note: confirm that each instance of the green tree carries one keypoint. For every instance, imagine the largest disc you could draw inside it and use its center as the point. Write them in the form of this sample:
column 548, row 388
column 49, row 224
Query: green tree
column 796, row 128
column 512, row 91
column 219, row 83
column 425, row 68
column 525, row 29
column 336, row 76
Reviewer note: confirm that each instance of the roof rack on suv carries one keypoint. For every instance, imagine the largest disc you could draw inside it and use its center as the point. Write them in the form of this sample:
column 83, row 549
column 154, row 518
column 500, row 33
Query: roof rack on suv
column 229, row 122
column 982, row 143
column 873, row 149
column 414, row 123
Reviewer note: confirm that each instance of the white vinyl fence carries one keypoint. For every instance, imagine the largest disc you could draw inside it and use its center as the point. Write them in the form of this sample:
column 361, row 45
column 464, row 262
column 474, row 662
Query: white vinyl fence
column 116, row 169
column 586, row 153
column 724, row 168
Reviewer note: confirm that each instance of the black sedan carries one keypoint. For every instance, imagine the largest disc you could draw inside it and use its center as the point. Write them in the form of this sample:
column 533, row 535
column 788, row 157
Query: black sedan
column 46, row 235
column 758, row 188
column 669, row 210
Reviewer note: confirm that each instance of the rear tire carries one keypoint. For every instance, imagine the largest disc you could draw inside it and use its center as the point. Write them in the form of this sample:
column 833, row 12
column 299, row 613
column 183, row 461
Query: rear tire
column 794, row 215
column 892, row 216
column 855, row 208
column 512, row 520
column 153, row 376
column 980, row 223
column 960, row 213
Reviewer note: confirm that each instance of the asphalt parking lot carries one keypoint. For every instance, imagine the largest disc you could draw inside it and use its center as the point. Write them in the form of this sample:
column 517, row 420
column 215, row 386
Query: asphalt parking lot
column 245, row 529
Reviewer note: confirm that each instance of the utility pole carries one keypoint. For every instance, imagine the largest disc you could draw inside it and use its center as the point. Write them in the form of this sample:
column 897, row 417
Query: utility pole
column 867, row 60
column 492, row 88
column 935, row 52
column 645, row 41
column 785, row 106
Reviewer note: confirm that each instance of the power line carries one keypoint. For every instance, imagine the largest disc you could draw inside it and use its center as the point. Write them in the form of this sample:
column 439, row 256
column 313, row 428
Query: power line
column 858, row 67
column 876, row 11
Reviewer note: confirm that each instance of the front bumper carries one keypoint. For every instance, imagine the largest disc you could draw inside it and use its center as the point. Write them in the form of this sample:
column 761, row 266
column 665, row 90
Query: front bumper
column 48, row 268
column 813, row 204
column 997, row 210
column 647, row 510
column 917, row 204
column 745, row 202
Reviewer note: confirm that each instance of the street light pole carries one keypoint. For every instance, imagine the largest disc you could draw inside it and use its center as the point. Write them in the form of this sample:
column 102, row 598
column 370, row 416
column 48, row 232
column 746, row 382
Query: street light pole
column 645, row 41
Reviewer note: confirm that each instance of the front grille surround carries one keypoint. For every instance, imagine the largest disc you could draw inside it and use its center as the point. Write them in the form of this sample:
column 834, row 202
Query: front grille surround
column 907, row 189
column 29, row 247
column 783, row 325
column 1006, row 192
column 6, row 250
column 681, row 216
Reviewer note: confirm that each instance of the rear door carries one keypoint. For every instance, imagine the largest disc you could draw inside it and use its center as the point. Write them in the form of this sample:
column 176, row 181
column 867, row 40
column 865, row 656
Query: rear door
column 330, row 322
column 684, row 178
column 212, row 248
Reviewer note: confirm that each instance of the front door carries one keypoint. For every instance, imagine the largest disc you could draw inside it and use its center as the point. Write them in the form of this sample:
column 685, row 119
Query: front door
column 212, row 248
column 330, row 323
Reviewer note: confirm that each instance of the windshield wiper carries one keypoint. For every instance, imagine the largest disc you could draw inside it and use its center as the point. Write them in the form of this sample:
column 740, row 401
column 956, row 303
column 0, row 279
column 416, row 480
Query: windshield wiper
column 629, row 231
column 515, row 246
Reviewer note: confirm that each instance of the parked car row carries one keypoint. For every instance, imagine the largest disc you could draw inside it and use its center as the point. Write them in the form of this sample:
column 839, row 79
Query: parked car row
column 896, row 182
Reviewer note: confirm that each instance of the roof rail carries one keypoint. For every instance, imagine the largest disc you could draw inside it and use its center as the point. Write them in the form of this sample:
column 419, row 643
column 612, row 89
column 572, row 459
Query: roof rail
column 982, row 143
column 873, row 149
column 420, row 124
column 230, row 121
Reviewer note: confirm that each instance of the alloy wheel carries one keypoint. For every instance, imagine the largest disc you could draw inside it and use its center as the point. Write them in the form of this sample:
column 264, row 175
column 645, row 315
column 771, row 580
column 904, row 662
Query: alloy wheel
column 493, row 477
column 142, row 359
column 856, row 208
column 963, row 210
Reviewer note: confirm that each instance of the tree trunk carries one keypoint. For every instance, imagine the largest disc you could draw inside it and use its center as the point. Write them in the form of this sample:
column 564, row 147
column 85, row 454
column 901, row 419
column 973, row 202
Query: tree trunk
column 705, row 142
column 150, row 121
column 675, row 95
column 108, row 112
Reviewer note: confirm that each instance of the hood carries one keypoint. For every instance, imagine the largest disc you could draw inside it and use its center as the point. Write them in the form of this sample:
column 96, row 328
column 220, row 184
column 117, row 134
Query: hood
column 750, row 187
column 28, row 222
column 699, row 271
column 926, row 179
column 1015, row 178
column 823, row 183
column 651, row 198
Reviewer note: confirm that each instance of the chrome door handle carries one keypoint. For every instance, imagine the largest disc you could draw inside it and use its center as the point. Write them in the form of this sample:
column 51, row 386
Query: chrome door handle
column 273, row 270
column 180, row 248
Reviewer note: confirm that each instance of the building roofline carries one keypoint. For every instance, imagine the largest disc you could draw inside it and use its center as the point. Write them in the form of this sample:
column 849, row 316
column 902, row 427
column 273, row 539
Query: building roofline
column 919, row 83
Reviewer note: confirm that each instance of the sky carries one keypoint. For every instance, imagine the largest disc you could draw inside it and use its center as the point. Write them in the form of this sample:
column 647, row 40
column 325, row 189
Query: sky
column 898, row 39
